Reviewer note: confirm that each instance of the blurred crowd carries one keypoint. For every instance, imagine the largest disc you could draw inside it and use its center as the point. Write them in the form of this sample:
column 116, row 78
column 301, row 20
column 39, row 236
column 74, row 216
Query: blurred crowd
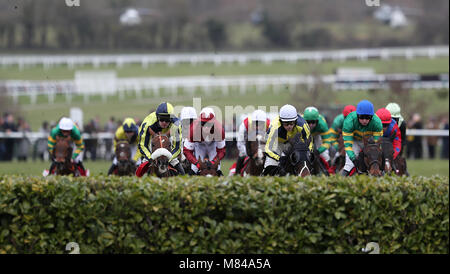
column 23, row 149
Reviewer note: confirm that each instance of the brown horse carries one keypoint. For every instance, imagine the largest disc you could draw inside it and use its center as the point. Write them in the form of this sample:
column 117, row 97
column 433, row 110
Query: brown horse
column 298, row 163
column 372, row 159
column 161, row 156
column 62, row 155
column 125, row 165
column 207, row 168
column 255, row 150
column 397, row 165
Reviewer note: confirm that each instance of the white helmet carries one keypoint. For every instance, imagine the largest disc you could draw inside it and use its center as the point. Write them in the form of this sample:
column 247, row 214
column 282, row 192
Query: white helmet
column 288, row 113
column 259, row 115
column 188, row 113
column 65, row 124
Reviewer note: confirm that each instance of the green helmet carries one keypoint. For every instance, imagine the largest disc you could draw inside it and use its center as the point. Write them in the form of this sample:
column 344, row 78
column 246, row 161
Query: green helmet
column 311, row 114
column 394, row 109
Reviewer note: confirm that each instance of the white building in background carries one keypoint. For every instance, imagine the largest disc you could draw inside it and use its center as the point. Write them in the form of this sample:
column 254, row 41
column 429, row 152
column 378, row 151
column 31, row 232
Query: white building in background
column 392, row 16
column 130, row 17
column 398, row 18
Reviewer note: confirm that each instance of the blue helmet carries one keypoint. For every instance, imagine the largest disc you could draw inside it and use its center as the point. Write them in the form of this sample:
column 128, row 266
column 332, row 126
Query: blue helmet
column 364, row 108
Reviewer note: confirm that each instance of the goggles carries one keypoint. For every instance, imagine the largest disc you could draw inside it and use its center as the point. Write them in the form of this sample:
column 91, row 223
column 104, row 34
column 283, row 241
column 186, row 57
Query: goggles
column 365, row 117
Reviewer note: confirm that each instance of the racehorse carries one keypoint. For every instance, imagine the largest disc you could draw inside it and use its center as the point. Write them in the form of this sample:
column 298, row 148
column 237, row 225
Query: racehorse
column 125, row 165
column 297, row 153
column 161, row 156
column 372, row 159
column 62, row 155
column 397, row 165
column 317, row 166
column 207, row 168
column 254, row 164
column 338, row 161
column 388, row 154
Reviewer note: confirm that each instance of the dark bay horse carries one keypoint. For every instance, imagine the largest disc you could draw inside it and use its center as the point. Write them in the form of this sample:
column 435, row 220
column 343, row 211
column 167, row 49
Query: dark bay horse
column 62, row 155
column 255, row 149
column 372, row 158
column 207, row 168
column 391, row 165
column 298, row 163
column 125, row 165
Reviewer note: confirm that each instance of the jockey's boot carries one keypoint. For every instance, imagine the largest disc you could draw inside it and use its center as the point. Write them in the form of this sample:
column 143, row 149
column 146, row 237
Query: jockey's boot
column 179, row 168
column 219, row 173
column 344, row 173
column 111, row 169
column 239, row 165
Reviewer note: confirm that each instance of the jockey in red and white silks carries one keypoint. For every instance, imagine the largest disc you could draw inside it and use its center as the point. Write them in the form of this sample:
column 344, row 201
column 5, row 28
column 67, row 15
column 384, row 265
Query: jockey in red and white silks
column 206, row 140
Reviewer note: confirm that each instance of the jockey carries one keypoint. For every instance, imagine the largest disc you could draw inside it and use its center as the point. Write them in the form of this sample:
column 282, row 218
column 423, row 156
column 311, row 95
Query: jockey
column 206, row 139
column 128, row 132
column 394, row 109
column 257, row 122
column 67, row 129
column 282, row 128
column 187, row 116
column 321, row 134
column 161, row 121
column 336, row 127
column 358, row 124
column 390, row 130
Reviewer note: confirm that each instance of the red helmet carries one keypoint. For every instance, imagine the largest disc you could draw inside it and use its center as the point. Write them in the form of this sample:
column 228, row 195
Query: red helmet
column 207, row 114
column 348, row 109
column 384, row 115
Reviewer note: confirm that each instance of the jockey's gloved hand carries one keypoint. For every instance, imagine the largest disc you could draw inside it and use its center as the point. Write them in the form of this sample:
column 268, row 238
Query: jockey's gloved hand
column 214, row 161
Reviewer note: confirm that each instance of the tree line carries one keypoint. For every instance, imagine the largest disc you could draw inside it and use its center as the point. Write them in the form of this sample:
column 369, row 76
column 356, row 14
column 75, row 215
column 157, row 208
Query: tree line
column 199, row 25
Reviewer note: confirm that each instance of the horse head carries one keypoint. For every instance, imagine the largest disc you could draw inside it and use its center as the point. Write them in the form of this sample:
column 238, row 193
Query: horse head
column 298, row 156
column 207, row 168
column 255, row 149
column 62, row 154
column 373, row 157
column 161, row 158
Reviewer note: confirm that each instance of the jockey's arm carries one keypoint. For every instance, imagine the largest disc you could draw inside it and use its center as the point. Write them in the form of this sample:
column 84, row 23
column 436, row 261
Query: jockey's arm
column 347, row 135
column 377, row 130
column 117, row 137
column 327, row 140
column 79, row 142
column 176, row 147
column 188, row 151
column 272, row 142
column 306, row 134
column 51, row 141
column 144, row 140
column 334, row 133
column 397, row 142
column 220, row 149
column 241, row 140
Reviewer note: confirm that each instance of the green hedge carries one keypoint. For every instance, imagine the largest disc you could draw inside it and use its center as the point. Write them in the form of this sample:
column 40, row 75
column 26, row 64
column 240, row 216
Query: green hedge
column 225, row 215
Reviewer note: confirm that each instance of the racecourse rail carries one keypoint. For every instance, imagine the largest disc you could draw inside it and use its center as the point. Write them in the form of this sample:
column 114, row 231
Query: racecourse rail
column 96, row 60
column 106, row 83
column 229, row 135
